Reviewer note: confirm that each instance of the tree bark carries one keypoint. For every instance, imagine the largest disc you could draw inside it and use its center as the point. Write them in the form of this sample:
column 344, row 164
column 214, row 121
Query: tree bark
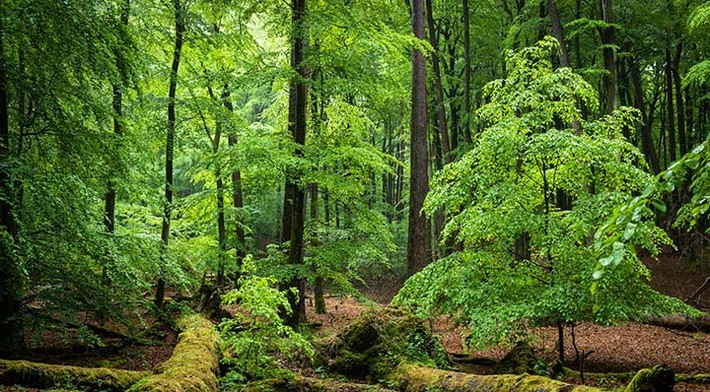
column 237, row 194
column 110, row 199
column 646, row 139
column 466, row 72
column 169, row 143
column 608, row 37
column 558, row 31
column 418, row 235
column 440, row 108
column 680, row 105
column 670, row 115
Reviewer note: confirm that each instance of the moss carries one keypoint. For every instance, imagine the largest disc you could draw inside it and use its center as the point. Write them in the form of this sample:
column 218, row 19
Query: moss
column 42, row 375
column 521, row 359
column 295, row 383
column 412, row 377
column 194, row 363
column 693, row 378
column 658, row 379
column 378, row 340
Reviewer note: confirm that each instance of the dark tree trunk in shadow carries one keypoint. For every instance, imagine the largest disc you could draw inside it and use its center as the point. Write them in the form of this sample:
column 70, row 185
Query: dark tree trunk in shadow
column 169, row 145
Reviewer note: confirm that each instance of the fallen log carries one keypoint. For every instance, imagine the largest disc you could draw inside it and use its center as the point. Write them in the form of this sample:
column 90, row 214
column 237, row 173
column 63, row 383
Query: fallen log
column 414, row 378
column 693, row 378
column 304, row 384
column 683, row 323
column 42, row 375
column 194, row 365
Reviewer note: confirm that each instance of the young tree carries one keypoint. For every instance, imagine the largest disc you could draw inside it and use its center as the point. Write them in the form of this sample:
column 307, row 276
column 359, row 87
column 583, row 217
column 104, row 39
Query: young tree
column 508, row 186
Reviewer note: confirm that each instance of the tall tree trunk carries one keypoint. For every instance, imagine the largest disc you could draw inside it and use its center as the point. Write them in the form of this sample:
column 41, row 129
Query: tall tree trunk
column 110, row 199
column 440, row 108
column 318, row 294
column 299, row 99
column 608, row 37
column 169, row 143
column 646, row 139
column 11, row 277
column 418, row 235
column 466, row 72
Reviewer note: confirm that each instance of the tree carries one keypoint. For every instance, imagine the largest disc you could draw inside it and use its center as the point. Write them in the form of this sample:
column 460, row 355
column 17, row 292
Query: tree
column 298, row 95
column 179, row 12
column 509, row 184
column 418, row 237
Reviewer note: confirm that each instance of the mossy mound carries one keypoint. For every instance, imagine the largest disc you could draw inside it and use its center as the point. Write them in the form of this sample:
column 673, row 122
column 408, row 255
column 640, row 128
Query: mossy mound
column 658, row 379
column 378, row 340
column 194, row 364
column 520, row 359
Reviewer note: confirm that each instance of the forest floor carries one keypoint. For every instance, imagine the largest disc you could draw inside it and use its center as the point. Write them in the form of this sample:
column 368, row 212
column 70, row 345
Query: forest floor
column 622, row 348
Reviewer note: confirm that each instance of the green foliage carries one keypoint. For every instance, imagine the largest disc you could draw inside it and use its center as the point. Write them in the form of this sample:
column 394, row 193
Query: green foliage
column 524, row 203
column 621, row 231
column 255, row 340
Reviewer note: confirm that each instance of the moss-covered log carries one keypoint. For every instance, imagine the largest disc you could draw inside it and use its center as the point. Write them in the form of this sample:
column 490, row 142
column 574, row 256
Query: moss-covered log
column 297, row 383
column 194, row 364
column 693, row 378
column 41, row 375
column 414, row 378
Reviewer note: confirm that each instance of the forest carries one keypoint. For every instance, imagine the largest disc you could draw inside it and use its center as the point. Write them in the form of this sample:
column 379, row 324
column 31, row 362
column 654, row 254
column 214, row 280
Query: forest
column 354, row 195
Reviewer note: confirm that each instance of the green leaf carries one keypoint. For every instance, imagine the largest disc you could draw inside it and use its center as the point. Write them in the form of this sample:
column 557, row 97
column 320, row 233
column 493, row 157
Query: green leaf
column 629, row 232
column 659, row 205
column 692, row 163
column 606, row 261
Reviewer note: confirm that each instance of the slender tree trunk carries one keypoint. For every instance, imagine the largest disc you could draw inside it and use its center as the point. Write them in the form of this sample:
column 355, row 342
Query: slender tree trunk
column 558, row 32
column 670, row 115
column 400, row 181
column 452, row 91
column 680, row 105
column 169, row 143
column 466, row 72
column 110, row 199
column 440, row 108
column 318, row 294
column 418, row 236
column 237, row 195
column 221, row 226
column 608, row 37
column 646, row 139
column 298, row 128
